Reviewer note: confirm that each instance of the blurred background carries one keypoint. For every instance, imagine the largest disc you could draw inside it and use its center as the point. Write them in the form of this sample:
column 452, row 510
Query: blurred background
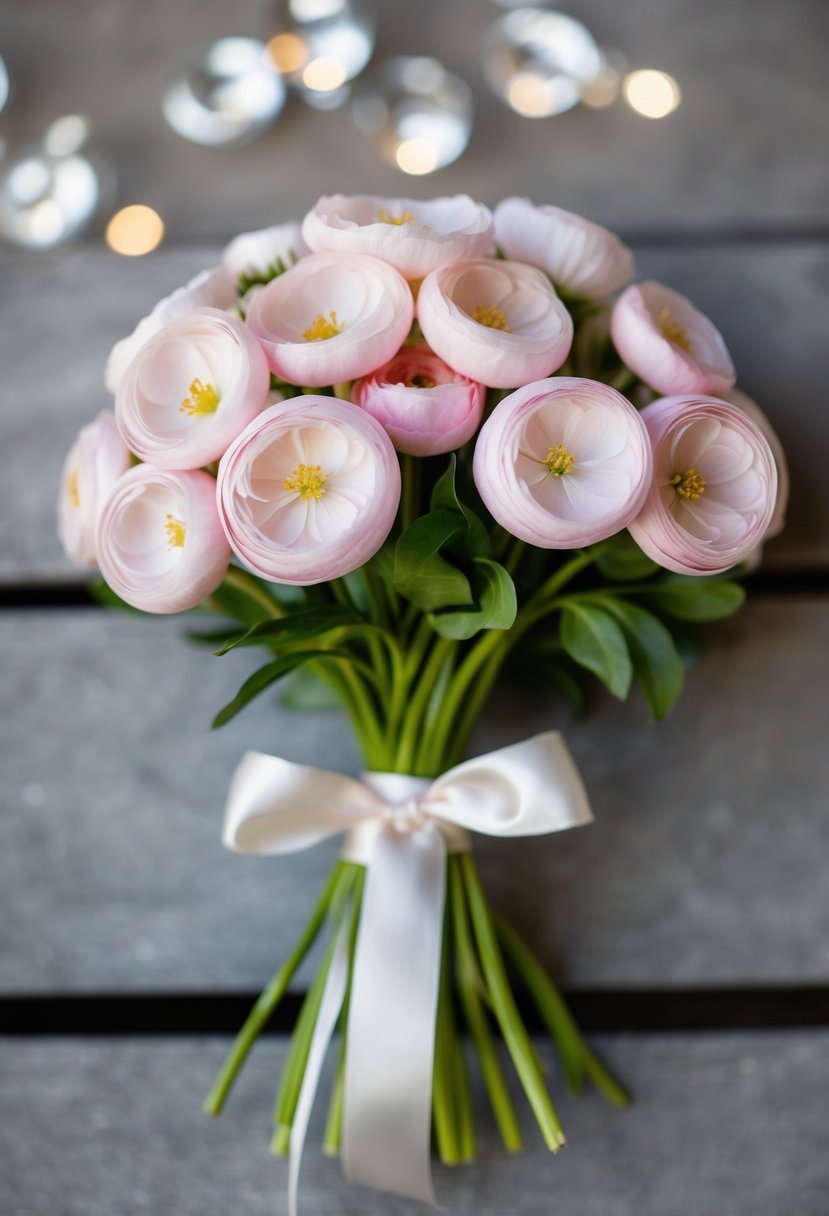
column 690, row 924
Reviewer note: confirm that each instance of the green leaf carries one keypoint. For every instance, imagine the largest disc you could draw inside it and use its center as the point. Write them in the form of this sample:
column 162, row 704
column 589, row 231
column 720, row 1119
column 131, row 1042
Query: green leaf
column 592, row 639
column 421, row 574
column 497, row 602
column 305, row 690
column 696, row 599
column 475, row 542
column 657, row 664
column 308, row 624
column 623, row 561
column 267, row 675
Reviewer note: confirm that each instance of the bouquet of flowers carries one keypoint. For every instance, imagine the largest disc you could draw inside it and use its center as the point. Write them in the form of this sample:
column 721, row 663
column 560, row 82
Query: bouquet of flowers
column 398, row 447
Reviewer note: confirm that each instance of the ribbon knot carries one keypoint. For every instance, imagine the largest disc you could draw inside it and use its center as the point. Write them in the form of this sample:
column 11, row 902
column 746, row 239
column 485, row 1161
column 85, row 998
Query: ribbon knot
column 401, row 828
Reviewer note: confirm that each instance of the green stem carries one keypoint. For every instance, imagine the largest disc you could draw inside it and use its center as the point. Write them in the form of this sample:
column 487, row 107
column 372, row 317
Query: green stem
column 248, row 584
column 297, row 1059
column 576, row 1056
column 503, row 1003
column 410, row 490
column 270, row 997
column 444, row 1110
column 470, row 987
column 334, row 1122
column 410, row 733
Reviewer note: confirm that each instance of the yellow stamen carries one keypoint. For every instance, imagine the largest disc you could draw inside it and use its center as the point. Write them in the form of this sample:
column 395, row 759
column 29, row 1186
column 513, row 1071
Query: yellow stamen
column 671, row 329
column 559, row 461
column 690, row 484
column 307, row 480
column 491, row 317
column 203, row 399
column 175, row 532
column 420, row 381
column 72, row 487
column 405, row 217
column 322, row 328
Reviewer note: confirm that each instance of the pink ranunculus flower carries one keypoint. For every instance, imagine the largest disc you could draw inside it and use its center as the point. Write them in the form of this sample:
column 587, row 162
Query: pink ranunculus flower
column 563, row 462
column 500, row 323
column 749, row 406
column 425, row 407
column 252, row 253
column 191, row 389
column 582, row 258
column 309, row 491
column 93, row 464
column 214, row 288
column 332, row 318
column 669, row 343
column 160, row 543
column 714, row 486
column 413, row 235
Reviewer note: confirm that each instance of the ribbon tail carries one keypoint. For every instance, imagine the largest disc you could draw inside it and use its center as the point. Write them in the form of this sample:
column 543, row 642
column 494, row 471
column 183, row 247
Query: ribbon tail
column 333, row 995
column 387, row 1111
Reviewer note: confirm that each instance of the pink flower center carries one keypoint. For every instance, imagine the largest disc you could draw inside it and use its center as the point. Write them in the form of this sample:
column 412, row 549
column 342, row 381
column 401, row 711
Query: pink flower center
column 559, row 461
column 491, row 317
column 176, row 532
column 203, row 399
column 308, row 481
column 671, row 329
column 690, row 484
column 322, row 328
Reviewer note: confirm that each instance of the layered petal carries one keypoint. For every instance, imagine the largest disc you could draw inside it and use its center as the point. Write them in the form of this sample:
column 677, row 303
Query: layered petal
column 160, row 544
column 191, row 389
column 499, row 323
column 96, row 460
column 582, row 258
column 414, row 236
column 425, row 407
column 563, row 462
column 714, row 486
column 255, row 253
column 749, row 406
column 309, row 491
column 669, row 343
column 214, row 288
column 332, row 318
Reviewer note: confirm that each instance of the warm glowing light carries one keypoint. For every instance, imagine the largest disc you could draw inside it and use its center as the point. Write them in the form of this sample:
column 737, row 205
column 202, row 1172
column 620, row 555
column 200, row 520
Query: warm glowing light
column 530, row 95
column 652, row 94
column 324, row 74
column 417, row 157
column 287, row 52
column 134, row 231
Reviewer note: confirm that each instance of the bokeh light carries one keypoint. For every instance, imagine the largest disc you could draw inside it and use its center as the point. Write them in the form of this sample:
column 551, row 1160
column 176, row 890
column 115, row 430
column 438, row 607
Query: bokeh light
column 651, row 93
column 135, row 230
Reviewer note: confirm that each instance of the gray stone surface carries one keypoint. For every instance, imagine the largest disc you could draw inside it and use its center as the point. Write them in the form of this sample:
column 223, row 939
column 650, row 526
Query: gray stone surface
column 769, row 299
column 720, row 1124
column 745, row 148
column 706, row 863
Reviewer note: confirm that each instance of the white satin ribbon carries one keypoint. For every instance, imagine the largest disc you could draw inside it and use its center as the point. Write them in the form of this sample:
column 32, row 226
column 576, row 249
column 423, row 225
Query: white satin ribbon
column 401, row 828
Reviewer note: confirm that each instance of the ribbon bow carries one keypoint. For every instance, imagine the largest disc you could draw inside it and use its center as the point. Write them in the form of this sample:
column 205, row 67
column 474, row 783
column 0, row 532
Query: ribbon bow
column 401, row 828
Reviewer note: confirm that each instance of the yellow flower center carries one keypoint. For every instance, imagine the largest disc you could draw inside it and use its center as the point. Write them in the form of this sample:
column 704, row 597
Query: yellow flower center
column 491, row 317
column 559, row 461
column 398, row 221
column 671, row 329
column 307, row 480
column 175, row 532
column 72, row 488
column 203, row 399
column 420, row 381
column 322, row 328
column 690, row 484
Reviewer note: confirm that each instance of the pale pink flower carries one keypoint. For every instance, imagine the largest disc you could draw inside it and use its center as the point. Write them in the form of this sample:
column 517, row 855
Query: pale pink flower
column 582, row 258
column 94, row 463
column 668, row 343
column 425, row 407
column 414, row 236
column 749, row 406
column 160, row 544
column 253, row 253
column 332, row 318
column 309, row 491
column 563, row 462
column 500, row 323
column 214, row 288
column 714, row 486
column 191, row 389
